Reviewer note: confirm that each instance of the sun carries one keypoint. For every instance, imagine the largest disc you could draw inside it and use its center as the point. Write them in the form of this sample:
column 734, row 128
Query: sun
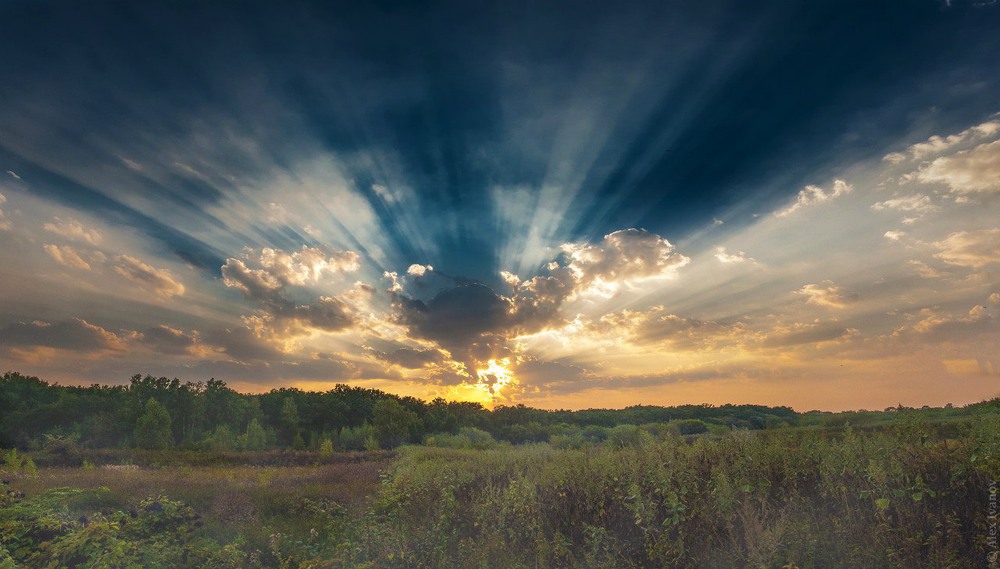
column 495, row 376
column 493, row 384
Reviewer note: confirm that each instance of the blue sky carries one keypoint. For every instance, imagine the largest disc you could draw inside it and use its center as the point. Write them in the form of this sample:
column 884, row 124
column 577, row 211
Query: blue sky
column 563, row 204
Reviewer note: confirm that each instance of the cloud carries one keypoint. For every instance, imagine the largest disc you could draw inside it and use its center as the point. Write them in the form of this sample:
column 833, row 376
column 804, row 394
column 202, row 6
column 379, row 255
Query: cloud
column 994, row 298
column 549, row 375
column 419, row 270
column 811, row 195
column 279, row 316
column 732, row 258
column 826, row 294
column 925, row 270
column 4, row 222
column 159, row 281
column 395, row 284
column 938, row 144
column 279, row 269
column 73, row 334
column 66, row 255
column 622, row 258
column 627, row 255
column 475, row 324
column 384, row 194
column 974, row 249
column 658, row 326
column 912, row 203
column 167, row 340
column 410, row 358
column 970, row 171
column 815, row 334
column 456, row 317
column 73, row 230
column 511, row 279
column 938, row 327
column 893, row 235
column 282, row 320
column 12, row 174
column 131, row 164
column 241, row 344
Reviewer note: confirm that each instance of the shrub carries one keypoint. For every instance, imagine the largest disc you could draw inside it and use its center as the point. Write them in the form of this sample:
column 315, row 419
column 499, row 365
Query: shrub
column 691, row 426
column 326, row 448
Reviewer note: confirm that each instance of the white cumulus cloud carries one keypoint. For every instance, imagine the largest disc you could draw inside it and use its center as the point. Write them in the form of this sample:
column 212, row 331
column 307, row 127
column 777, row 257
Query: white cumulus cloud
column 623, row 256
column 731, row 258
column 969, row 171
column 938, row 144
column 419, row 270
column 811, row 195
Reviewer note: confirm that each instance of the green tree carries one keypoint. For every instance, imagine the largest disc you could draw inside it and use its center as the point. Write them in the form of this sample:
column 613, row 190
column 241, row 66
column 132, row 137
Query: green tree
column 393, row 423
column 289, row 425
column 256, row 437
column 222, row 439
column 152, row 429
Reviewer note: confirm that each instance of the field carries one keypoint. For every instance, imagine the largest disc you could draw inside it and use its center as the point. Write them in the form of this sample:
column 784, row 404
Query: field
column 908, row 493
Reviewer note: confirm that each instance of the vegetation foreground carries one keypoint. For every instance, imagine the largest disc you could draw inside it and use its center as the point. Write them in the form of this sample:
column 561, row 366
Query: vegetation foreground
column 906, row 488
column 907, row 496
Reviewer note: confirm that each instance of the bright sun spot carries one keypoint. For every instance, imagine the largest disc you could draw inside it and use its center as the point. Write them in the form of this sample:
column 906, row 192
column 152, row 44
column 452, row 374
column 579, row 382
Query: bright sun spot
column 494, row 377
column 494, row 383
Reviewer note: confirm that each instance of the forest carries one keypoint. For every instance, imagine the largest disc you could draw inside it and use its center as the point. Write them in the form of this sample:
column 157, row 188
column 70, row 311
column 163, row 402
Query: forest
column 164, row 473
column 158, row 413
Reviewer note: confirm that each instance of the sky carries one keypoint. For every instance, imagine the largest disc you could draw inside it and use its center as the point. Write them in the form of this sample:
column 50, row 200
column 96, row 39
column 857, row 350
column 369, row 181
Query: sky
column 562, row 204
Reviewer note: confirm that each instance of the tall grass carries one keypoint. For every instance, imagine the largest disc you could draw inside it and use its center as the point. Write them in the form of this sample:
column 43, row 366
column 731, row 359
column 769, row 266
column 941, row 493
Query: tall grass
column 900, row 497
column 907, row 495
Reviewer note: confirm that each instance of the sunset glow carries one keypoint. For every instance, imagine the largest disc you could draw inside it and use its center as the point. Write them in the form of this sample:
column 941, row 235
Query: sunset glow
column 646, row 204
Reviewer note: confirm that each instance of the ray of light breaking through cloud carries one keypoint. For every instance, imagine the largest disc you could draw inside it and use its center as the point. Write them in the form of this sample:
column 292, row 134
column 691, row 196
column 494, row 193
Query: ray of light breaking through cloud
column 781, row 203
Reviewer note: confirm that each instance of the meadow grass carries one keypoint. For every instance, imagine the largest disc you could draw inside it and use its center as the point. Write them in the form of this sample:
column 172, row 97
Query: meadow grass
column 910, row 494
column 245, row 504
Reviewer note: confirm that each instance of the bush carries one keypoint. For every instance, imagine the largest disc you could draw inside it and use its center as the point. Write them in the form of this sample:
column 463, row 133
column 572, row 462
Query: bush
column 40, row 532
column 691, row 426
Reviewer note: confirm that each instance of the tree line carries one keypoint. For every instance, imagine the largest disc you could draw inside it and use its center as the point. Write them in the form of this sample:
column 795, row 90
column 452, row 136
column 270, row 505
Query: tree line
column 160, row 413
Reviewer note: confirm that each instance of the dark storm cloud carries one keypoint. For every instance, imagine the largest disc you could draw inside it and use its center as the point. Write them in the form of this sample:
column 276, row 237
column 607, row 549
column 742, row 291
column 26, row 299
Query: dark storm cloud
column 476, row 324
column 456, row 317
